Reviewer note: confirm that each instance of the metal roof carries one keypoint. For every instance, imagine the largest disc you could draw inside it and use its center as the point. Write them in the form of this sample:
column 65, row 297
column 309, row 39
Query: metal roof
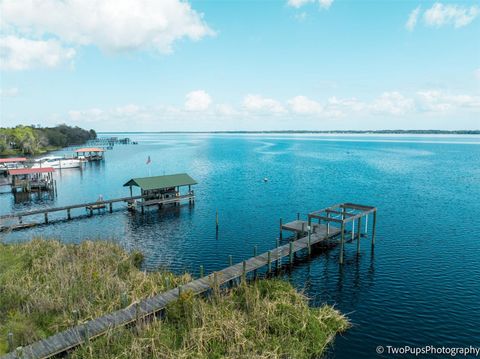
column 12, row 159
column 160, row 182
column 90, row 149
column 27, row 171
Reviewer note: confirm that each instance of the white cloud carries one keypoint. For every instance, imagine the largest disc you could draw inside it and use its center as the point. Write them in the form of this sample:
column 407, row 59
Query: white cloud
column 393, row 103
column 325, row 4
column 22, row 54
column 439, row 101
column 197, row 100
column 412, row 19
column 257, row 103
column 456, row 15
column 225, row 110
column 9, row 92
column 112, row 25
column 303, row 105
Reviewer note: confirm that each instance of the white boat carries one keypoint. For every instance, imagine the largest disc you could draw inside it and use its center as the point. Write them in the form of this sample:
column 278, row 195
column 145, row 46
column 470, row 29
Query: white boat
column 57, row 162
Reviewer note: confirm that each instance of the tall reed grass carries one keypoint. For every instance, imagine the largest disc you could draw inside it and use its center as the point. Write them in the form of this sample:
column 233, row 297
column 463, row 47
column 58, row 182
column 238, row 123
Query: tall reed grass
column 43, row 282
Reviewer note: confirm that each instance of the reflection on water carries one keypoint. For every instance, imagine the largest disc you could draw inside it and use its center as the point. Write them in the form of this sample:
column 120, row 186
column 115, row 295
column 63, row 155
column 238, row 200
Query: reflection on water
column 420, row 286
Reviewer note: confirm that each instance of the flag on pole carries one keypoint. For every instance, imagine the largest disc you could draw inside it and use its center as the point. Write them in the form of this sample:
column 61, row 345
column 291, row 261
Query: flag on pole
column 148, row 160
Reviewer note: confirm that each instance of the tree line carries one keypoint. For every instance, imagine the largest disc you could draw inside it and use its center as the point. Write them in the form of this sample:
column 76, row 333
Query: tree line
column 31, row 140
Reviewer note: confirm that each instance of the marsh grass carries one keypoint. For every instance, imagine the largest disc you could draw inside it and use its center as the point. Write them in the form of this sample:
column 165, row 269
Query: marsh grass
column 42, row 282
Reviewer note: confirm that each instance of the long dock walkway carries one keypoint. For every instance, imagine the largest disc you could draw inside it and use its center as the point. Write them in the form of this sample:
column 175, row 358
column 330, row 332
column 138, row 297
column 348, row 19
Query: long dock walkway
column 316, row 233
column 79, row 334
column 89, row 206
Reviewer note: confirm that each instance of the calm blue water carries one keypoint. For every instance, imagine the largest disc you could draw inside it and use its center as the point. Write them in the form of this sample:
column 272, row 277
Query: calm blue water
column 420, row 286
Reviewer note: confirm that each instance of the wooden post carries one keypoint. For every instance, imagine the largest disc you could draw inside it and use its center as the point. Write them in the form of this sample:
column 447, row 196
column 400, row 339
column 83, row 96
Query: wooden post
column 309, row 241
column 281, row 234
column 374, row 226
column 303, row 228
column 230, row 260
column 216, row 220
column 244, row 271
column 269, row 261
column 75, row 316
column 46, row 217
column 359, row 229
column 202, row 272
column 342, row 231
column 328, row 224
column 298, row 216
column 91, row 211
column 291, row 252
column 10, row 342
column 69, row 215
column 255, row 250
column 359, row 234
column 111, row 207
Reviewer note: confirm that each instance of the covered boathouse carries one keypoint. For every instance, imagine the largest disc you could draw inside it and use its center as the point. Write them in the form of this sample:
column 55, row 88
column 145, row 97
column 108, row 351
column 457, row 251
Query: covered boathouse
column 32, row 179
column 159, row 190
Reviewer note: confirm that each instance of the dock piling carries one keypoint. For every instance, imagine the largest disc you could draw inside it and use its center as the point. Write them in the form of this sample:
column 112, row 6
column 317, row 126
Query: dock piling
column 280, row 230
column 46, row 217
column 291, row 252
column 216, row 220
column 230, row 260
column 359, row 234
column 309, row 241
column 244, row 271
column 202, row 271
column 111, row 207
column 269, row 261
column 374, row 226
column 69, row 215
column 342, row 233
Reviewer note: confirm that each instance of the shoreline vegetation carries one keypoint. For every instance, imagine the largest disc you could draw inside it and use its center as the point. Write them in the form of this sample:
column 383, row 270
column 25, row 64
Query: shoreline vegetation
column 33, row 140
column 43, row 282
column 353, row 132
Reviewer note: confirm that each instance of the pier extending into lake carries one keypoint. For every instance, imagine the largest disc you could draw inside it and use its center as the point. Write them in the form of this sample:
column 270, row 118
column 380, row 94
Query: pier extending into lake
column 307, row 235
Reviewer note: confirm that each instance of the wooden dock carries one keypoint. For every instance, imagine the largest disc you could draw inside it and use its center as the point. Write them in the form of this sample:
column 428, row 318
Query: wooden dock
column 89, row 206
column 79, row 334
column 147, row 308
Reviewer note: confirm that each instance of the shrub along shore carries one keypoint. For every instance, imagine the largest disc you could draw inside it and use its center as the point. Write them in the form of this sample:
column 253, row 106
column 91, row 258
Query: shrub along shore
column 43, row 282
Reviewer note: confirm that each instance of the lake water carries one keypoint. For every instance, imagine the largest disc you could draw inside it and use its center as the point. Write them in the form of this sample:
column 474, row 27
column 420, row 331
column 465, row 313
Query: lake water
column 419, row 287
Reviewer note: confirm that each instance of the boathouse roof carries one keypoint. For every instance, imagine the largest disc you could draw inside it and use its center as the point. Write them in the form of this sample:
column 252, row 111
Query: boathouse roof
column 12, row 159
column 160, row 182
column 28, row 171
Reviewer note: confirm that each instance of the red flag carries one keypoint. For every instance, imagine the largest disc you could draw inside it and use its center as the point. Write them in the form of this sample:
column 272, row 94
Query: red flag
column 148, row 160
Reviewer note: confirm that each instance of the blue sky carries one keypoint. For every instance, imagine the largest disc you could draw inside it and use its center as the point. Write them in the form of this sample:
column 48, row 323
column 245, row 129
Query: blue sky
column 152, row 65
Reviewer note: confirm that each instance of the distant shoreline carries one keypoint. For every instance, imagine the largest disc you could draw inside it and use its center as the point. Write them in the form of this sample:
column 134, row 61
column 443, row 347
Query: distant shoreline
column 338, row 132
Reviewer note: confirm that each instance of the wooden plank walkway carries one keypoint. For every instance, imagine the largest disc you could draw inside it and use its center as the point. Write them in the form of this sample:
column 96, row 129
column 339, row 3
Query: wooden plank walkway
column 77, row 335
column 88, row 205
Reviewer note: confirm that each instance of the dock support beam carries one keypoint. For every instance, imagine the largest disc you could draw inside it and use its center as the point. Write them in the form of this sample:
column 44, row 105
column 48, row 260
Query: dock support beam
column 359, row 234
column 111, row 207
column 353, row 230
column 291, row 252
column 374, row 227
column 46, row 217
column 69, row 215
column 342, row 232
column 281, row 227
column 216, row 220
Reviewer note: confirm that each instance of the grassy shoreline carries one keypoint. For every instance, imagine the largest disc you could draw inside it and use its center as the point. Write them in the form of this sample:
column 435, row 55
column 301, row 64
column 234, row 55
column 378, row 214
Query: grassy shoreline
column 43, row 281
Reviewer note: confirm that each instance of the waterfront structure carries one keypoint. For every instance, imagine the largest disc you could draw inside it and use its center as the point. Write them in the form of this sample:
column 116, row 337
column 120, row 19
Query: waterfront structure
column 32, row 179
column 90, row 153
column 146, row 309
column 156, row 189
